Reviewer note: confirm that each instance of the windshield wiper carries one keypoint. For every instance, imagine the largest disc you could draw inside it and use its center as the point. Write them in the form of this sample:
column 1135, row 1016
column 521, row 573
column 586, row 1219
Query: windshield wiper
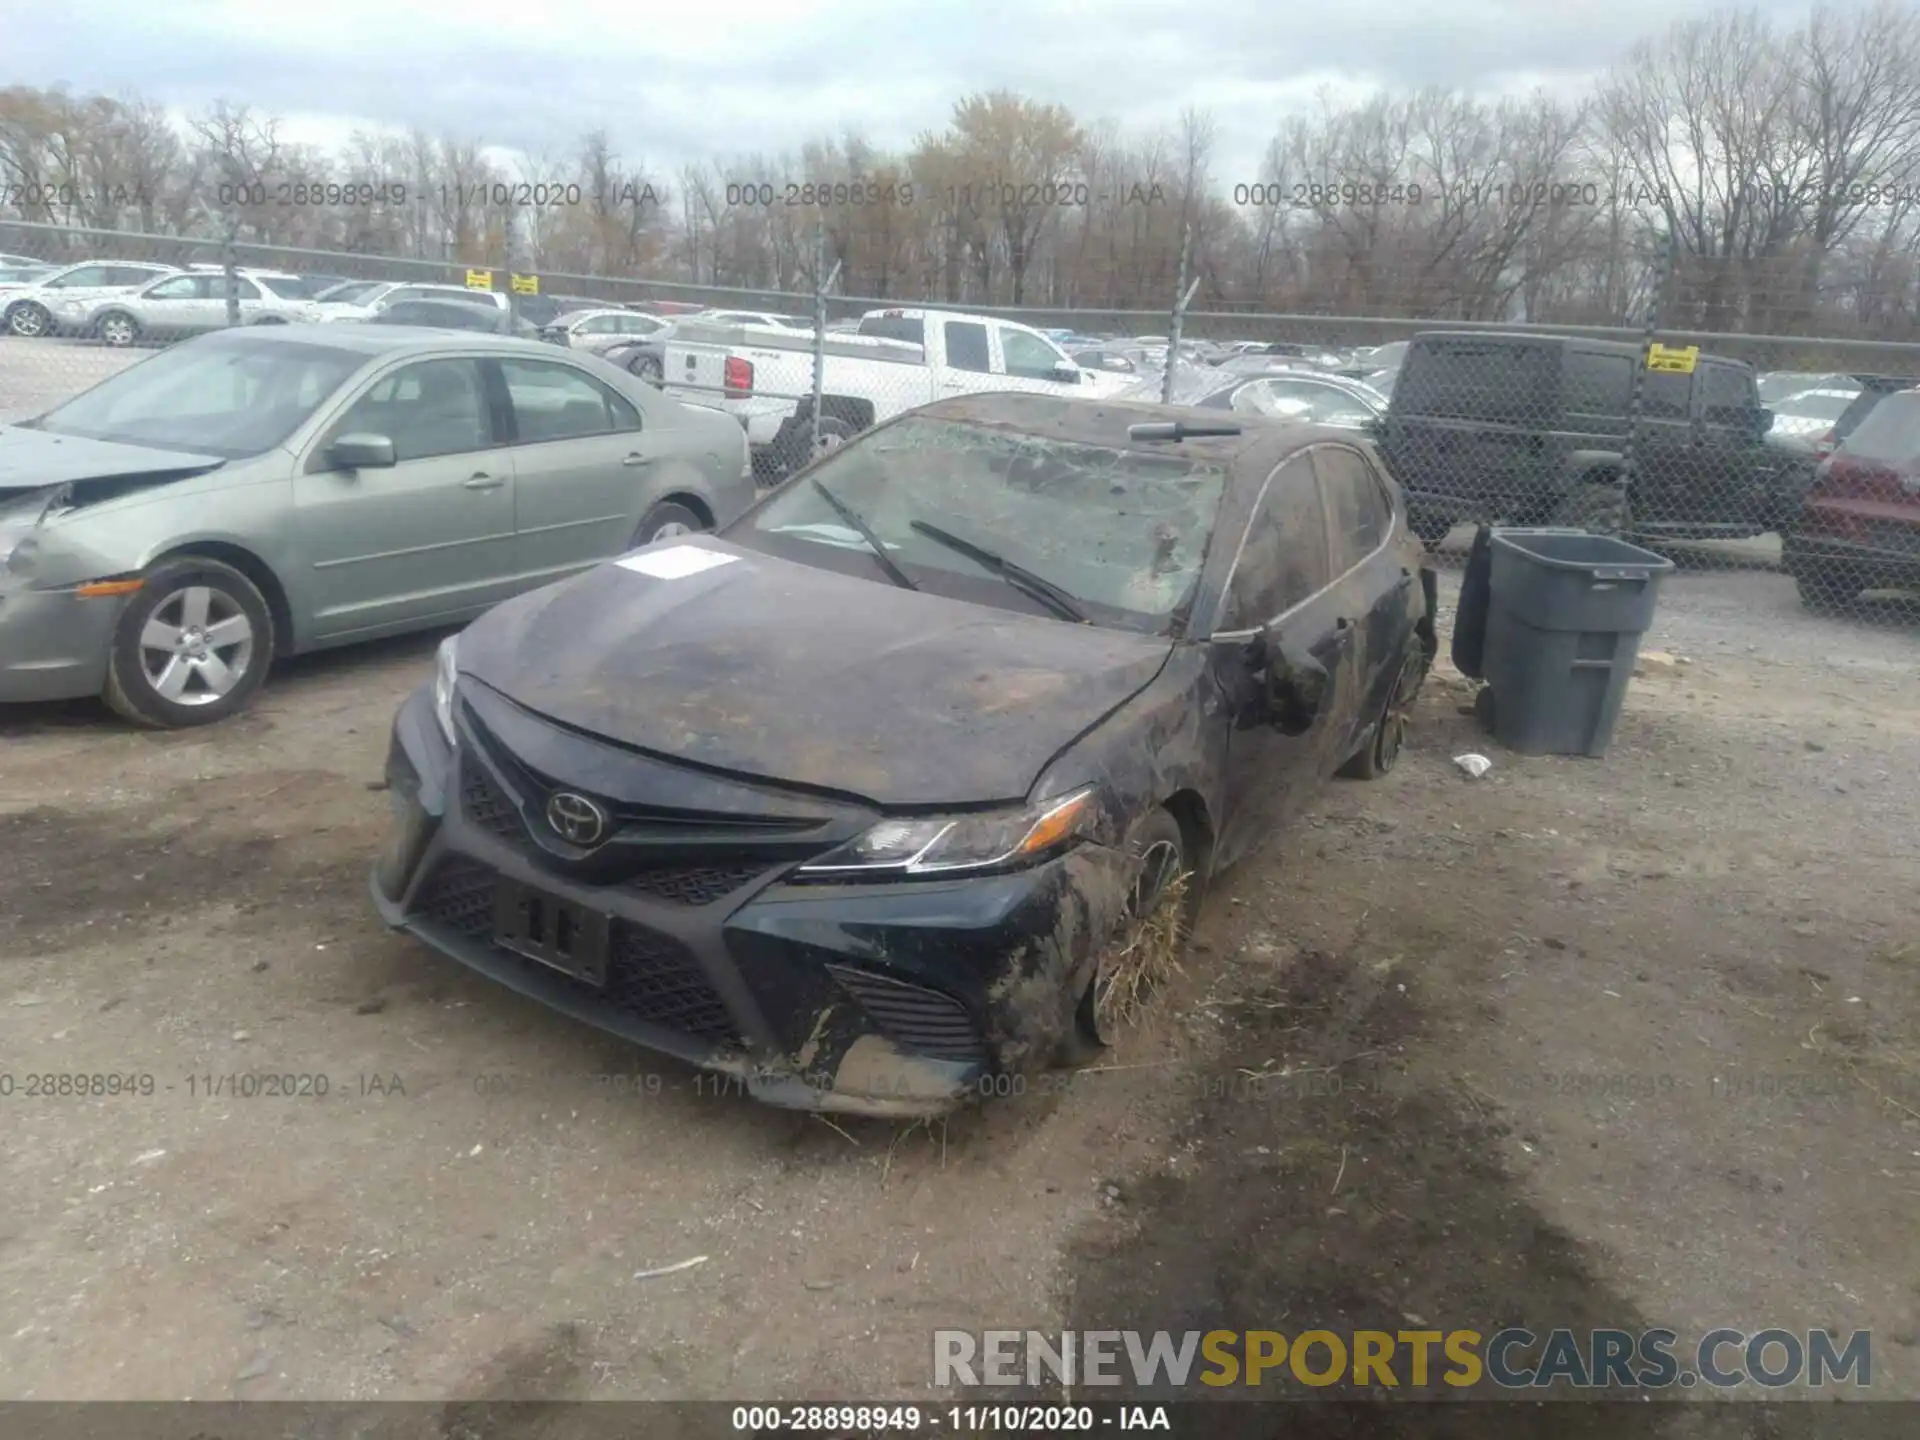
column 1022, row 579
column 847, row 513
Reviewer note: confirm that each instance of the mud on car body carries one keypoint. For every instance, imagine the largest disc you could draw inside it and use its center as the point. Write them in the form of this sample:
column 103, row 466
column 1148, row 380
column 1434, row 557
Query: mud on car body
column 859, row 798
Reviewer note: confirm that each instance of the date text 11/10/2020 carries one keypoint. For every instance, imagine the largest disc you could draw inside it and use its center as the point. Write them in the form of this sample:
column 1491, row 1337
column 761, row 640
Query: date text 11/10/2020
column 983, row 196
column 494, row 194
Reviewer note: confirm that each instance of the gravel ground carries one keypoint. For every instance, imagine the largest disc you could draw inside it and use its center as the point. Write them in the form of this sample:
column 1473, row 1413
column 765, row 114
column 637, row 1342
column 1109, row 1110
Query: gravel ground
column 1628, row 1042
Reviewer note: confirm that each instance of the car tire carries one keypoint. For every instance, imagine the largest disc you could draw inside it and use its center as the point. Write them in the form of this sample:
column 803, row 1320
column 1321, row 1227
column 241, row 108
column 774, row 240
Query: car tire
column 1158, row 848
column 30, row 321
column 649, row 369
column 216, row 614
column 1600, row 507
column 665, row 520
column 832, row 434
column 1382, row 750
column 118, row 329
column 1827, row 590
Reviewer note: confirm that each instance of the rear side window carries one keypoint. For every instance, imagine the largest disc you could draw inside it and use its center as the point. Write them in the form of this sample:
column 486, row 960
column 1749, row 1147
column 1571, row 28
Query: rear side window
column 1666, row 395
column 1478, row 380
column 894, row 327
column 1891, row 434
column 557, row 402
column 1727, row 394
column 967, row 348
column 1356, row 505
column 1595, row 384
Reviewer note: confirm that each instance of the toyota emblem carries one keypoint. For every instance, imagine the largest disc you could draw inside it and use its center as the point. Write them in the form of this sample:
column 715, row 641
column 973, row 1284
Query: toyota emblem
column 576, row 818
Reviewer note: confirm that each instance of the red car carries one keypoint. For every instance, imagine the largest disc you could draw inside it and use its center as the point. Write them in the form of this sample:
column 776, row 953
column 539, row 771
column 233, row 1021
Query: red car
column 1860, row 528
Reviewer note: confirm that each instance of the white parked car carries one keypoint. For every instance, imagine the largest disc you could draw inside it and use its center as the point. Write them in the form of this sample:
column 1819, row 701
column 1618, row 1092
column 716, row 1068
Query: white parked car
column 899, row 360
column 176, row 306
column 599, row 330
column 60, row 303
column 383, row 294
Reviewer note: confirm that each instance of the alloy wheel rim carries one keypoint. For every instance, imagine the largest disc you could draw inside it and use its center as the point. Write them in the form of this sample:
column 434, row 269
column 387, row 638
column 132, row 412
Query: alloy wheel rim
column 196, row 646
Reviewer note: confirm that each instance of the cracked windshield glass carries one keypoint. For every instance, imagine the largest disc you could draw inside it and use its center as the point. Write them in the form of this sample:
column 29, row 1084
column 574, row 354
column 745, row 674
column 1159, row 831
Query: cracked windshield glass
column 1120, row 531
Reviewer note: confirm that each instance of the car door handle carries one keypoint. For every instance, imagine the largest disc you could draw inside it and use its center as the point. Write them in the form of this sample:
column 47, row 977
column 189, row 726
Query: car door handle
column 482, row 481
column 636, row 460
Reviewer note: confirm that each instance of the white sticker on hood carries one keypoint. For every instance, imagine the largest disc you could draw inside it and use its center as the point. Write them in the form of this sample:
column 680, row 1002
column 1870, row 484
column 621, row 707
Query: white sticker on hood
column 675, row 563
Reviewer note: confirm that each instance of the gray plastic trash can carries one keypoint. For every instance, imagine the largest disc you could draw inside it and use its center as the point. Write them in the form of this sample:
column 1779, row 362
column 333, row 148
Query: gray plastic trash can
column 1565, row 614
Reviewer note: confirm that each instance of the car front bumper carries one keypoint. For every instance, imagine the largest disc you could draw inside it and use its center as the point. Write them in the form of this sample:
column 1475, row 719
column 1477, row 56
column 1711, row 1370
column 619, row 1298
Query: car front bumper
column 54, row 644
column 881, row 999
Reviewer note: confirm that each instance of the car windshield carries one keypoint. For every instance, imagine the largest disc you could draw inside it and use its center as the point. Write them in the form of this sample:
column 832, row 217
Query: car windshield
column 229, row 395
column 1123, row 532
column 354, row 292
column 1891, row 434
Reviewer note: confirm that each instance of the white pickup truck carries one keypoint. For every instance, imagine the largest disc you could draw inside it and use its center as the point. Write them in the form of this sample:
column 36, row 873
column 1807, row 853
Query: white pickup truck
column 899, row 359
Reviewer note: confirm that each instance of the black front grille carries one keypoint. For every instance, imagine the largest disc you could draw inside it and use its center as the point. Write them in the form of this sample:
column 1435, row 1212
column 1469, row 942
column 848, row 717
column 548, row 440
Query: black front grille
column 655, row 978
column 913, row 1017
column 693, row 884
column 486, row 804
column 459, row 895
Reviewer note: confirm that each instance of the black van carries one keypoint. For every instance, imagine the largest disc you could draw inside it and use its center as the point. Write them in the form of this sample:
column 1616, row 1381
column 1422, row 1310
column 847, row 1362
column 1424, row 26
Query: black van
column 1533, row 429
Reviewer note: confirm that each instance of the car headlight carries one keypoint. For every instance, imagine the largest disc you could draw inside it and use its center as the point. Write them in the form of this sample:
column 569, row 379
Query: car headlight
column 945, row 844
column 445, row 673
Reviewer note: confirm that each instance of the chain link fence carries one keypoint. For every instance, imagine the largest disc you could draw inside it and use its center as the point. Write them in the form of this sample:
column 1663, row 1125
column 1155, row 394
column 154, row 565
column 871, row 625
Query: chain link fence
column 1798, row 453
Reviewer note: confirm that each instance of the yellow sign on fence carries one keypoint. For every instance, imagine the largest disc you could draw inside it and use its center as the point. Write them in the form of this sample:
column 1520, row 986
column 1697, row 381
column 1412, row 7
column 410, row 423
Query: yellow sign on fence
column 1677, row 361
column 479, row 279
column 525, row 284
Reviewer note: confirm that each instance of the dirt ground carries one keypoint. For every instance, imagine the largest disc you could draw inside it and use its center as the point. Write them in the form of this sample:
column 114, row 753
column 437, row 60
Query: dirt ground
column 1626, row 1042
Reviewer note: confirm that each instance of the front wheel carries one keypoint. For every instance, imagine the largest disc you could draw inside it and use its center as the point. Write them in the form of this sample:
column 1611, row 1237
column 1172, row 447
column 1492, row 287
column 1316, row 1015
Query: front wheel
column 666, row 520
column 191, row 647
column 649, row 369
column 119, row 330
column 1162, row 902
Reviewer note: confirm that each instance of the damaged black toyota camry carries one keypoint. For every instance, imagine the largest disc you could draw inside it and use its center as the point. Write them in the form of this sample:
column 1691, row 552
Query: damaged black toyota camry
column 869, row 798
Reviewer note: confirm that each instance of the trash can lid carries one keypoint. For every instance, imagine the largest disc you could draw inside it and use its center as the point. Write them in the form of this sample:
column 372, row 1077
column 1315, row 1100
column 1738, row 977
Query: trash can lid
column 1606, row 557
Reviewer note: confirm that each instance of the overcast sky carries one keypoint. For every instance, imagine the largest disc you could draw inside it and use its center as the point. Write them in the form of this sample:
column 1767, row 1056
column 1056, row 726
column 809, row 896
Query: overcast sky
column 675, row 82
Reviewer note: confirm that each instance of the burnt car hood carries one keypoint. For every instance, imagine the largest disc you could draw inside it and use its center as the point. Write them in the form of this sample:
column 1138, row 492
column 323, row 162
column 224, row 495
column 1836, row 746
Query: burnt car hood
column 33, row 459
column 773, row 670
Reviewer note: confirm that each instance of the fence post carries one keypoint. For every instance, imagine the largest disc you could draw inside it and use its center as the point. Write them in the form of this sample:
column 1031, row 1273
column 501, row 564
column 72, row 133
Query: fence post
column 822, row 283
column 232, row 268
column 1662, row 282
column 1183, row 296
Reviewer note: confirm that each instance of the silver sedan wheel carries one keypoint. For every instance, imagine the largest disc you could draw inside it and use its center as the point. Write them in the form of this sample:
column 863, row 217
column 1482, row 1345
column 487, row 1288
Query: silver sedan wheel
column 196, row 646
column 28, row 322
column 117, row 330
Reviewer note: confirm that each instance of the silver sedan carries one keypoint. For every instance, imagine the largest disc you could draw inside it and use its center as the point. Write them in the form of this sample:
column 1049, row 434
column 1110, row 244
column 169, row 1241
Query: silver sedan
column 262, row 492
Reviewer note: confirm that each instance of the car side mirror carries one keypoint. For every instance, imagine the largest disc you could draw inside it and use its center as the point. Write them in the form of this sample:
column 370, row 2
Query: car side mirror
column 362, row 452
column 1065, row 374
